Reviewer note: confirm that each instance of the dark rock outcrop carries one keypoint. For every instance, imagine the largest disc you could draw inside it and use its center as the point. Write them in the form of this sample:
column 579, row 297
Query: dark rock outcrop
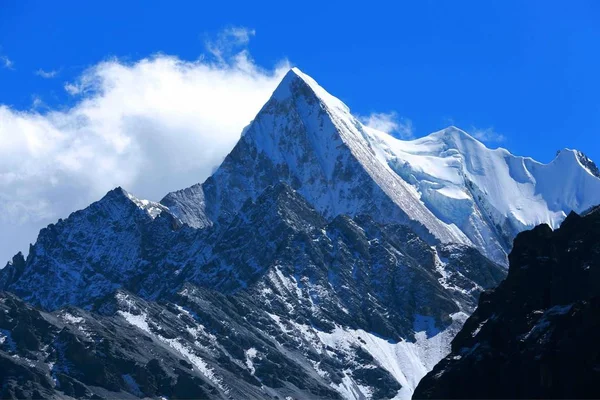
column 535, row 336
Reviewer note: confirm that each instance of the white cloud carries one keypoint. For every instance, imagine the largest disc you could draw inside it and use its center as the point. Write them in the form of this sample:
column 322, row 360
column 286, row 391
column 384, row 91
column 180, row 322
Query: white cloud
column 390, row 123
column 46, row 74
column 72, row 88
column 228, row 41
column 6, row 62
column 37, row 102
column 487, row 135
column 152, row 126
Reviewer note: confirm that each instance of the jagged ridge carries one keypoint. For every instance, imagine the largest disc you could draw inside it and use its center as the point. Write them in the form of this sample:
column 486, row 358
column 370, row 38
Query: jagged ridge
column 295, row 277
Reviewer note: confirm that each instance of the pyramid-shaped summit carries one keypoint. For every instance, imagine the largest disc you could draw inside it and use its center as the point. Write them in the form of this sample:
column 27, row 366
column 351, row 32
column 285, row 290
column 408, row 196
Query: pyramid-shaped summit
column 447, row 186
column 307, row 138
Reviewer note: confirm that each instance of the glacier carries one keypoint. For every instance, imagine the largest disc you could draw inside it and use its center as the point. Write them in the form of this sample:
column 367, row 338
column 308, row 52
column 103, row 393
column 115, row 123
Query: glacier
column 491, row 195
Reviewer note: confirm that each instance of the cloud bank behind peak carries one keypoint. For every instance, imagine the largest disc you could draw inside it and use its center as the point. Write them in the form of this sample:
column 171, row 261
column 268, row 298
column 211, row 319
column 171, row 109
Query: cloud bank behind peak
column 152, row 126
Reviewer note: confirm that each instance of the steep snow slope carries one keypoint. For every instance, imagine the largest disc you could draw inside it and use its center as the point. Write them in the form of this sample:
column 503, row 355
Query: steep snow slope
column 307, row 138
column 446, row 186
column 490, row 195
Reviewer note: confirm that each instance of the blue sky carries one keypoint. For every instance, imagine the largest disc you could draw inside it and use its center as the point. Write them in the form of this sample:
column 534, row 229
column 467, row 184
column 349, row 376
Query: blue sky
column 150, row 95
column 529, row 70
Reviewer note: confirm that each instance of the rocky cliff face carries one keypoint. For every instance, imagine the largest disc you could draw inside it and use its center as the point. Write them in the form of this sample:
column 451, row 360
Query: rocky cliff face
column 297, row 304
column 117, row 241
column 535, row 335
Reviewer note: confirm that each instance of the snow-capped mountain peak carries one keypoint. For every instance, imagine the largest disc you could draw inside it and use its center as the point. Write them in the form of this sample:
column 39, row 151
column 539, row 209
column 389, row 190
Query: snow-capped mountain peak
column 490, row 194
column 447, row 186
column 294, row 78
column 121, row 196
column 153, row 209
column 309, row 139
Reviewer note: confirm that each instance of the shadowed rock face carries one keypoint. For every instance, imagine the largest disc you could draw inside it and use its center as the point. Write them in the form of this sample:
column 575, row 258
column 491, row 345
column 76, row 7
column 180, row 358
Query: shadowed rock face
column 535, row 336
column 279, row 302
column 114, row 242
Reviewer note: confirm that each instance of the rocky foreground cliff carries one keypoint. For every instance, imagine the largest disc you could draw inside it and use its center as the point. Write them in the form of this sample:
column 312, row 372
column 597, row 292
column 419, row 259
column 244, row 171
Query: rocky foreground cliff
column 536, row 335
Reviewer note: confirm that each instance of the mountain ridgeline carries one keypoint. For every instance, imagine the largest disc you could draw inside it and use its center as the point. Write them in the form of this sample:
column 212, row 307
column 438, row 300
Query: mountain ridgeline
column 322, row 259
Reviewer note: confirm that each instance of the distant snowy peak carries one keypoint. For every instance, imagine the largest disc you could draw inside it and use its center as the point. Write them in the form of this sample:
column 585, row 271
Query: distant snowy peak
column 153, row 209
column 491, row 195
column 121, row 197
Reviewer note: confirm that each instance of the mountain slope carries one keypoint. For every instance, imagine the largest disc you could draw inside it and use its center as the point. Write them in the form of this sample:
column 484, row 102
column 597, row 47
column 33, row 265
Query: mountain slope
column 446, row 186
column 307, row 138
column 116, row 241
column 535, row 336
column 348, row 307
